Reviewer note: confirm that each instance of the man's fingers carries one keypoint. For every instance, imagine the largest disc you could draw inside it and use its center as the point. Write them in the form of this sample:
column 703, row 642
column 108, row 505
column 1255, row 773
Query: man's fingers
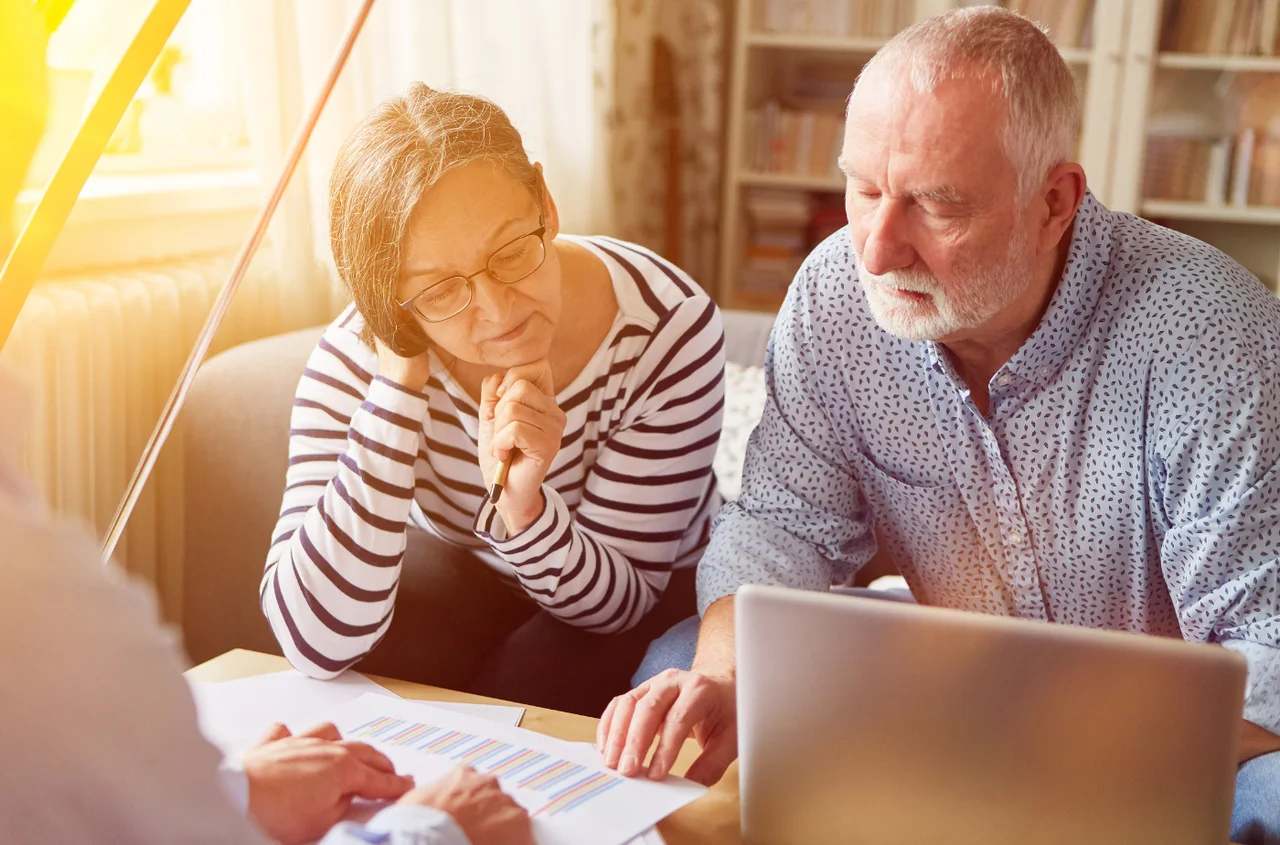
column 691, row 707
column 370, row 756
column 602, row 729
column 715, row 758
column 326, row 731
column 372, row 784
column 620, row 725
column 647, row 719
column 274, row 733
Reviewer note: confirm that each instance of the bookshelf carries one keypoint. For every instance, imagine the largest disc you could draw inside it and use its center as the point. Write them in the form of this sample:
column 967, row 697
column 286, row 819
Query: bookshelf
column 793, row 63
column 1197, row 143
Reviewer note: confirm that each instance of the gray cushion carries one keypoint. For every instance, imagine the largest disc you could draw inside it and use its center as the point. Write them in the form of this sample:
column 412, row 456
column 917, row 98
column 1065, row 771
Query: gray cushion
column 236, row 448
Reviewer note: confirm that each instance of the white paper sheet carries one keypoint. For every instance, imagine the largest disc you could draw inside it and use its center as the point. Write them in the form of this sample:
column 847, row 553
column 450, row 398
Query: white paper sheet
column 573, row 799
column 235, row 714
column 650, row 836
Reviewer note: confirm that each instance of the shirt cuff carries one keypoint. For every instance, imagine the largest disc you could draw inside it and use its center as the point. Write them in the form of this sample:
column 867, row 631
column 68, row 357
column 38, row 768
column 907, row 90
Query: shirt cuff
column 400, row 824
column 533, row 542
column 235, row 783
column 1262, row 689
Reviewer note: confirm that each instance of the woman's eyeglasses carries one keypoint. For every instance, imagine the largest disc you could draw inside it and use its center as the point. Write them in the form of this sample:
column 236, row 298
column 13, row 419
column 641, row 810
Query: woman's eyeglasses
column 509, row 264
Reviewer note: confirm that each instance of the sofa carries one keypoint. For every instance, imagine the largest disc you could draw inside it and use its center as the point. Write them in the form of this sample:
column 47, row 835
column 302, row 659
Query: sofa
column 236, row 424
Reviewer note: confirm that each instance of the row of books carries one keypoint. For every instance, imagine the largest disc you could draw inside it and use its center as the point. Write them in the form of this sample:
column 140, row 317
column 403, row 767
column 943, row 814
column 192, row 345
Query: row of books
column 858, row 18
column 1069, row 22
column 1221, row 27
column 795, row 141
column 1240, row 170
column 783, row 226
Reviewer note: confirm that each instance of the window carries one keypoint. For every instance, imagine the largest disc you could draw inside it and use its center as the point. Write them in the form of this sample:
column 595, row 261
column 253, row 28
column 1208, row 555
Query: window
column 187, row 114
column 181, row 147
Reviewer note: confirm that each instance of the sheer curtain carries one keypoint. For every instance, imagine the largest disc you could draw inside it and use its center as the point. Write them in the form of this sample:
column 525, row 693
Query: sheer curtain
column 547, row 64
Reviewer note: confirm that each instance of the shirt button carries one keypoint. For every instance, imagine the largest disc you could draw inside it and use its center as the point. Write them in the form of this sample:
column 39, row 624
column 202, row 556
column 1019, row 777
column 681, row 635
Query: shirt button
column 1043, row 372
column 1004, row 380
column 1015, row 538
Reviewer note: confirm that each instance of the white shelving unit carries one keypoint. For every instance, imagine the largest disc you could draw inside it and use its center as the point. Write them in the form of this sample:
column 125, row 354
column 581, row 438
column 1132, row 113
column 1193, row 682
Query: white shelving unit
column 1157, row 83
column 1211, row 212
column 760, row 62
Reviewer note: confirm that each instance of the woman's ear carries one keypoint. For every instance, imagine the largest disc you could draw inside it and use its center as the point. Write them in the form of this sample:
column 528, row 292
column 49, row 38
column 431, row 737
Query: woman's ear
column 550, row 214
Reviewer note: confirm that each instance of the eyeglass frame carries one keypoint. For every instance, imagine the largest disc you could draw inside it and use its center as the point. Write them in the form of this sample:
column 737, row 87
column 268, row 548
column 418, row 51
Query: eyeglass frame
column 541, row 232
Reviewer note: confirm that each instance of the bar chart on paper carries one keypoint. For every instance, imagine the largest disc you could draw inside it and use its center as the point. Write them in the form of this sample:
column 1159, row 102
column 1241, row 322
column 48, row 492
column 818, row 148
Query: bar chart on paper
column 556, row 784
column 572, row 797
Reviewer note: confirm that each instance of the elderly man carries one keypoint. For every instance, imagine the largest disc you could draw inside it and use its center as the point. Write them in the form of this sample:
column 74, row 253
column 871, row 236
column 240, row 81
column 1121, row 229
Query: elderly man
column 1047, row 409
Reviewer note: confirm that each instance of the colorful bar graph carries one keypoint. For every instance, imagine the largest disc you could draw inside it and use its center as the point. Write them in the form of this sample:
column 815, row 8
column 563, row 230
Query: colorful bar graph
column 568, row 784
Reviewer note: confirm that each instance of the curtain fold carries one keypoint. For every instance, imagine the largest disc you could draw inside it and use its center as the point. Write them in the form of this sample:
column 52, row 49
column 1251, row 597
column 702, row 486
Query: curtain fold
column 668, row 63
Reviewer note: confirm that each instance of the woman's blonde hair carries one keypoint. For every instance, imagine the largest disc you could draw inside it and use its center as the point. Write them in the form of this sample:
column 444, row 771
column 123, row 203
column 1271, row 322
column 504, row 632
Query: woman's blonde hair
column 382, row 170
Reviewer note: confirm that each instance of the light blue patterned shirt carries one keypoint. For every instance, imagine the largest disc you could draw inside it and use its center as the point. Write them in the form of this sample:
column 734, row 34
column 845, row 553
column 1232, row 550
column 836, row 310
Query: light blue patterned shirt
column 1125, row 477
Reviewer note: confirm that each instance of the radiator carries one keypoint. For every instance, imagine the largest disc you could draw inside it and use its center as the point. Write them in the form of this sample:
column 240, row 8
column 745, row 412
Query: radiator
column 101, row 355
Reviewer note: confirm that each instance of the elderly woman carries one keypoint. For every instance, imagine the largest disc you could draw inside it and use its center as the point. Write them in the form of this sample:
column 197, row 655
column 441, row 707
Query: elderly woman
column 482, row 336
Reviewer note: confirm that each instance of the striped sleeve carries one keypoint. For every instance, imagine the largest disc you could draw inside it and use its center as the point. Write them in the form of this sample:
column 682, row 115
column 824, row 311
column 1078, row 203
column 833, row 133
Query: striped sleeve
column 334, row 564
column 604, row 566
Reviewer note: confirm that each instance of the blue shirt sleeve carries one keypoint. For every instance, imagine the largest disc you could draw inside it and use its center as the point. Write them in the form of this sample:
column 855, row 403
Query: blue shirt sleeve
column 1218, row 480
column 801, row 520
column 400, row 824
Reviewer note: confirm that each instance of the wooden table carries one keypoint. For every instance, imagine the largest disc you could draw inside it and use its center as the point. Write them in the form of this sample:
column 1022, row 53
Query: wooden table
column 713, row 818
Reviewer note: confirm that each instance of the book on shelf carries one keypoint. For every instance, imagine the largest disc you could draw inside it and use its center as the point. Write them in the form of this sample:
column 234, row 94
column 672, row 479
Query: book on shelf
column 783, row 226
column 1240, row 170
column 799, row 142
column 848, row 18
column 1220, row 27
column 1069, row 22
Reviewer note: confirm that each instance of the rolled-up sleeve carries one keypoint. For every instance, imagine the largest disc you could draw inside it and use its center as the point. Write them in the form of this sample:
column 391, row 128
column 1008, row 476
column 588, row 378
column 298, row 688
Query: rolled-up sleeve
column 1220, row 499
column 801, row 520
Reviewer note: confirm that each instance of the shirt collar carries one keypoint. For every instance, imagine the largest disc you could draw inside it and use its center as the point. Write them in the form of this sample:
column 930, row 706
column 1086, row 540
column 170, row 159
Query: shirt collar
column 1072, row 306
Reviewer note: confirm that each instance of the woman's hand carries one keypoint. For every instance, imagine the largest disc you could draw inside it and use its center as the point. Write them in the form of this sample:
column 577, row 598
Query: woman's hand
column 519, row 418
column 412, row 373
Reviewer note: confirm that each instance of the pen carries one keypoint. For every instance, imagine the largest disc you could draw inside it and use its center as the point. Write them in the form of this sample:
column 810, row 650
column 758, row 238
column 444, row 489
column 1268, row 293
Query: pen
column 499, row 479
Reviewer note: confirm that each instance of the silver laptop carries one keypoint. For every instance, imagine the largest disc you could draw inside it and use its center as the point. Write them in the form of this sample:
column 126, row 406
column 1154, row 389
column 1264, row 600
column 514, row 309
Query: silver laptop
column 879, row 722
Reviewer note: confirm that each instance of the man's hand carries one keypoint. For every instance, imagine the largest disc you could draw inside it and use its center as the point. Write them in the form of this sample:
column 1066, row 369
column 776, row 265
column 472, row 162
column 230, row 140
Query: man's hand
column 520, row 419
column 412, row 373
column 672, row 706
column 486, row 814
column 300, row 786
column 1256, row 741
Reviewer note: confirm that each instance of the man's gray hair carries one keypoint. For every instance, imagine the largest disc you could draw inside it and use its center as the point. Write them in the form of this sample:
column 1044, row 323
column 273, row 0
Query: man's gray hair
column 1042, row 105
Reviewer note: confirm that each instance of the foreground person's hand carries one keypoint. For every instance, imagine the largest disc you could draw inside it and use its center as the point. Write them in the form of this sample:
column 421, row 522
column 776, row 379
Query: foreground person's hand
column 300, row 786
column 671, row 707
column 486, row 814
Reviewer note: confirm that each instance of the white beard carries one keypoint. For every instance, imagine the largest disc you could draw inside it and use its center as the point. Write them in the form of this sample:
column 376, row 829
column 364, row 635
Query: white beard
column 945, row 310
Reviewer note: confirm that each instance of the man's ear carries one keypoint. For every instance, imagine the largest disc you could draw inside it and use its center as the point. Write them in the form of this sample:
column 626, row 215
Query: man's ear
column 1063, row 191
column 550, row 213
